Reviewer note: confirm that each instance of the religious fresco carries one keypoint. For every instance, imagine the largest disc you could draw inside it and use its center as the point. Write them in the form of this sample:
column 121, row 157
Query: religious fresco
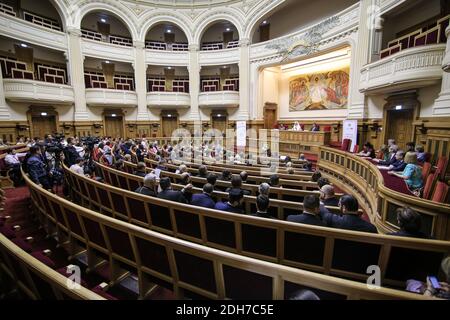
column 319, row 91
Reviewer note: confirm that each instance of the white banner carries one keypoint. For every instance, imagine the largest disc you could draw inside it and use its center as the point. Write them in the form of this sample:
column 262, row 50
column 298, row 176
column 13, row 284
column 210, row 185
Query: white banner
column 350, row 132
column 241, row 133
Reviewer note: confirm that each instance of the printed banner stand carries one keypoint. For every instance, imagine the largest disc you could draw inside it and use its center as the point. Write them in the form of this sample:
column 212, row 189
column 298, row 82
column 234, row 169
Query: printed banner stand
column 241, row 133
column 350, row 131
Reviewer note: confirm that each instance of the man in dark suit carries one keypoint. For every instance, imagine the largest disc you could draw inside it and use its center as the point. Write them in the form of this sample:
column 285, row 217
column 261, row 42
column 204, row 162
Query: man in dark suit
column 149, row 187
column 202, row 171
column 327, row 196
column 168, row 194
column 140, row 170
column 399, row 164
column 236, row 183
column 211, row 178
column 351, row 218
column 234, row 203
column 204, row 199
column 310, row 215
column 262, row 205
column 410, row 223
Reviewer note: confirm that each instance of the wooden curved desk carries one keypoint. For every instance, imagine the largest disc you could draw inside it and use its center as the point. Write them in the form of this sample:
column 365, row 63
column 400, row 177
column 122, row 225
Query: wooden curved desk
column 363, row 179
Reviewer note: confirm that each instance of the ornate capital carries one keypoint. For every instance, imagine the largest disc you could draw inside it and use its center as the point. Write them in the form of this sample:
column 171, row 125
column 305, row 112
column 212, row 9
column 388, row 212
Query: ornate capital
column 244, row 43
column 139, row 44
column 74, row 31
column 194, row 47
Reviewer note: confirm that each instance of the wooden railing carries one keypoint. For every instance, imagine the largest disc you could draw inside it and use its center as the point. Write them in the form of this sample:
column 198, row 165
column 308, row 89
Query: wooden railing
column 364, row 180
column 320, row 249
column 12, row 258
column 175, row 263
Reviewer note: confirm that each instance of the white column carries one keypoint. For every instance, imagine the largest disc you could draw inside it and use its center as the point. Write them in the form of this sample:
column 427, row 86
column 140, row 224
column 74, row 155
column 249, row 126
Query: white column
column 194, row 81
column 442, row 103
column 76, row 70
column 140, row 78
column 4, row 111
column 244, row 79
column 360, row 57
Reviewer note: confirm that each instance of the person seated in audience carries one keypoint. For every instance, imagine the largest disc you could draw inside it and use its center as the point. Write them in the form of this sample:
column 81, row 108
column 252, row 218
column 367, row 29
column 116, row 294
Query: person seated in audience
column 316, row 176
column 37, row 170
column 315, row 127
column 421, row 154
column 431, row 288
column 327, row 196
column 234, row 203
column 140, row 170
column 382, row 154
column 368, row 151
column 185, row 178
column 127, row 158
column 211, row 178
column 310, row 214
column 140, row 153
column 2, row 143
column 162, row 165
column 204, row 199
column 391, row 142
column 297, row 127
column 322, row 182
column 244, row 176
column 202, row 171
column 78, row 166
column 410, row 147
column 181, row 169
column 150, row 186
column 236, row 183
column 390, row 158
column 107, row 158
column 412, row 173
column 264, row 189
column 350, row 219
column 274, row 181
column 398, row 165
column 173, row 195
column 304, row 295
column 12, row 160
column 302, row 157
column 118, row 165
column 290, row 170
column 226, row 175
column 262, row 205
column 410, row 223
column 307, row 166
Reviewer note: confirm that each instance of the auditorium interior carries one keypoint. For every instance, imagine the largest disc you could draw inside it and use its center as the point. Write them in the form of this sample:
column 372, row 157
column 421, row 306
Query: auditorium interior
column 224, row 150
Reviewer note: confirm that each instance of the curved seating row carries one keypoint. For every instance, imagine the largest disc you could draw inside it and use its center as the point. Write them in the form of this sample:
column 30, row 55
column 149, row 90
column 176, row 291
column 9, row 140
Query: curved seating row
column 283, row 201
column 188, row 269
column 34, row 279
column 326, row 250
column 256, row 176
column 364, row 180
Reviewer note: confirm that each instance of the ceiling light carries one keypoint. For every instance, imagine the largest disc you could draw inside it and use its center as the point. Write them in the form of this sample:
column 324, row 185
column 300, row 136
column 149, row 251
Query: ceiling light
column 169, row 31
column 228, row 29
column 43, row 114
column 169, row 115
column 264, row 22
column 219, row 115
column 107, row 61
column 23, row 45
column 398, row 107
column 103, row 20
column 169, row 68
column 113, row 115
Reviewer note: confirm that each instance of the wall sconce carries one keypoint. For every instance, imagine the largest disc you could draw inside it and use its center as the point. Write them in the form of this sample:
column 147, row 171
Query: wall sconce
column 422, row 128
column 66, row 126
column 21, row 127
column 336, row 127
column 155, row 125
column 205, row 124
column 375, row 127
column 98, row 126
column 183, row 124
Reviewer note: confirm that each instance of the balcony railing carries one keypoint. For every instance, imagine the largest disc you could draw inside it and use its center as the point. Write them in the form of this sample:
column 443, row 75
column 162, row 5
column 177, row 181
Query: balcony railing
column 110, row 97
column 410, row 68
column 32, row 91
column 227, row 99
column 168, row 100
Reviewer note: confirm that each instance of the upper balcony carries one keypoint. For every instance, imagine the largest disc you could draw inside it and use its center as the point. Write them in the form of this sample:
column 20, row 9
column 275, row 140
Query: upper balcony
column 168, row 100
column 411, row 68
column 166, row 57
column 219, row 57
column 224, row 99
column 114, row 50
column 36, row 30
column 111, row 97
column 38, row 92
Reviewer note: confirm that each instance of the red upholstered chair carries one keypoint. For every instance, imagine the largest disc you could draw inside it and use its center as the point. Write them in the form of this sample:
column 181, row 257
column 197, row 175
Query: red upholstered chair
column 440, row 194
column 346, row 145
column 426, row 169
column 356, row 148
column 441, row 166
column 429, row 184
column 327, row 129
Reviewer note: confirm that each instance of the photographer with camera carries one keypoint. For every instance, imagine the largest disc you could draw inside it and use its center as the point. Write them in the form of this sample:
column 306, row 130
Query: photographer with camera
column 37, row 170
column 72, row 153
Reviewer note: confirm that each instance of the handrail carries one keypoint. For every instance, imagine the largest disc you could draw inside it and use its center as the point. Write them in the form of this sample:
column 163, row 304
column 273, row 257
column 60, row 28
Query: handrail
column 267, row 239
column 363, row 179
column 172, row 256
column 57, row 281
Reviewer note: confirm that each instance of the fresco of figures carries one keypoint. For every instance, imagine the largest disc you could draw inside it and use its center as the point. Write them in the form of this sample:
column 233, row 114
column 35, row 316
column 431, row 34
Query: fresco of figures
column 319, row 91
